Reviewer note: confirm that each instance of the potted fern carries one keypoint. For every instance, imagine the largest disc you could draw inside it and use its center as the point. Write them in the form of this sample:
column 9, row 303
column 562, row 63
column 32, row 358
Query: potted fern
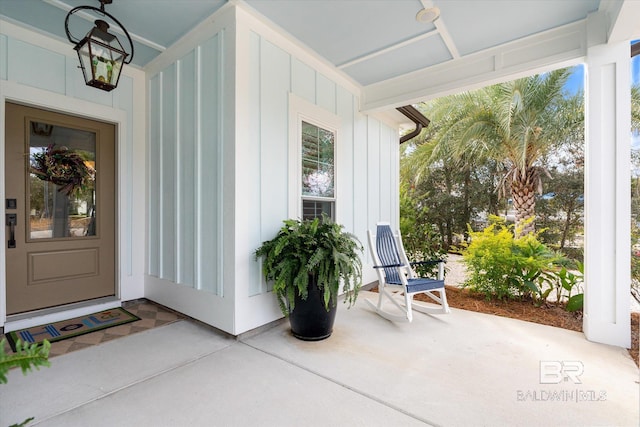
column 307, row 262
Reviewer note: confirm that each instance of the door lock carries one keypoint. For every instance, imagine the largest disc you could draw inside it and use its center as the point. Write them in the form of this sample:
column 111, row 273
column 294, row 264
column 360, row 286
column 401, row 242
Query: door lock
column 12, row 221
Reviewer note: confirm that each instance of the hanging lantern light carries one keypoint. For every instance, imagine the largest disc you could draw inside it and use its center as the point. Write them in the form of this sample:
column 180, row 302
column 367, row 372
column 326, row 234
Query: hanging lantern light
column 100, row 53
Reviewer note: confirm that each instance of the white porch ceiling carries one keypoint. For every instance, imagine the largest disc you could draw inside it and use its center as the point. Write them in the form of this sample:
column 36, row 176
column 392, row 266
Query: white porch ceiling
column 374, row 42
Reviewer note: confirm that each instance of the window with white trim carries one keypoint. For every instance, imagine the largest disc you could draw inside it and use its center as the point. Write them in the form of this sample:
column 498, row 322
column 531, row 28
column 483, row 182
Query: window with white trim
column 318, row 173
column 313, row 175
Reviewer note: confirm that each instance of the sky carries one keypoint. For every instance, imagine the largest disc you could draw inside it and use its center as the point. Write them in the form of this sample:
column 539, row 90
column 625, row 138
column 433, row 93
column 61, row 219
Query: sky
column 575, row 83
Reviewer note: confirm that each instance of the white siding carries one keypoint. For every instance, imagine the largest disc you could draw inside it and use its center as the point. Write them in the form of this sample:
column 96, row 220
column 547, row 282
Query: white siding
column 31, row 69
column 275, row 83
column 367, row 151
column 190, row 112
column 168, row 167
column 325, row 93
column 373, row 171
column 303, row 80
column 185, row 196
column 210, row 163
column 187, row 146
column 345, row 158
column 251, row 160
column 154, row 149
column 3, row 57
column 360, row 178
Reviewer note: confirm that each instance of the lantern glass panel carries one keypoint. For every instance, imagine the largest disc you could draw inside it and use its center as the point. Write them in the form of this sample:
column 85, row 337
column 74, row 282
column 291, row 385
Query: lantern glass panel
column 107, row 56
column 85, row 61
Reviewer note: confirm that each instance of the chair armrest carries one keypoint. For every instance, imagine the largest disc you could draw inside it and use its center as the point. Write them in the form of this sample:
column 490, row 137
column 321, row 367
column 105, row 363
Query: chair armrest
column 439, row 262
column 428, row 262
column 387, row 266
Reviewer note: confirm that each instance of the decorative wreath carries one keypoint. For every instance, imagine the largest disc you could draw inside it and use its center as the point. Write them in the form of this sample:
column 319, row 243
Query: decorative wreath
column 62, row 167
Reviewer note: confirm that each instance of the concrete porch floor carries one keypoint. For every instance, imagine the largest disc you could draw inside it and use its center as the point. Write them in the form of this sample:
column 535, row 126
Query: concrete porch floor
column 462, row 369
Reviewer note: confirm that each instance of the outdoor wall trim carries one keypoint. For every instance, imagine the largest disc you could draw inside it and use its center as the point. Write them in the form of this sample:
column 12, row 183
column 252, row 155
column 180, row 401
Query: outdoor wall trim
column 552, row 49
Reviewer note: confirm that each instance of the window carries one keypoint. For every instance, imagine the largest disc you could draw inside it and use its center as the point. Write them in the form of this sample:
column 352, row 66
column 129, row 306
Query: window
column 318, row 176
column 313, row 140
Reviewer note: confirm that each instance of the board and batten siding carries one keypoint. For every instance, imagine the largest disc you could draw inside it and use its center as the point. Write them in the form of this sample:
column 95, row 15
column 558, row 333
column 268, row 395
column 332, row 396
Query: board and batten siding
column 367, row 153
column 185, row 164
column 219, row 170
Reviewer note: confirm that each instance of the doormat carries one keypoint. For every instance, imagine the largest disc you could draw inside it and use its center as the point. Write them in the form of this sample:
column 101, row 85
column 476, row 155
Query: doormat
column 64, row 329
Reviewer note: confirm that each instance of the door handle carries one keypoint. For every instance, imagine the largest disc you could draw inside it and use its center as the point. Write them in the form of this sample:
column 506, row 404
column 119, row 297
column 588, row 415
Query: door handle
column 12, row 221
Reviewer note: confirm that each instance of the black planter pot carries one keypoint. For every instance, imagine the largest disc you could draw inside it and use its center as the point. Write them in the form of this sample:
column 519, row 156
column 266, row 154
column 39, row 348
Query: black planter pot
column 310, row 320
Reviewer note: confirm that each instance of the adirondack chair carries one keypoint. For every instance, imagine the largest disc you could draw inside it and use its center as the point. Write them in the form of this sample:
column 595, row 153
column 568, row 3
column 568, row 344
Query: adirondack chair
column 398, row 282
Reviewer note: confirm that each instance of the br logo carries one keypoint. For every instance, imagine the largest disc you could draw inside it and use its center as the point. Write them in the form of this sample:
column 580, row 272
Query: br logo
column 557, row 371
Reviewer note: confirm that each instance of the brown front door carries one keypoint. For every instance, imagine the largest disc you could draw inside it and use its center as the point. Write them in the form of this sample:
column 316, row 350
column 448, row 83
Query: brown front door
column 60, row 209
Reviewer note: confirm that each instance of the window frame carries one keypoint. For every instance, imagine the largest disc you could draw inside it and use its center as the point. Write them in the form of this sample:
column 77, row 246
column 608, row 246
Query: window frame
column 301, row 110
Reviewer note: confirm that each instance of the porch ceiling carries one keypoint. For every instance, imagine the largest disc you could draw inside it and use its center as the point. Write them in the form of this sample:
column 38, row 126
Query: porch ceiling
column 371, row 41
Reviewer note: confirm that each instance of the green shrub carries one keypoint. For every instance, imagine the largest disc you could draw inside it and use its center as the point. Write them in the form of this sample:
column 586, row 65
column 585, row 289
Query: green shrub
column 421, row 239
column 488, row 258
column 423, row 243
column 503, row 267
column 566, row 282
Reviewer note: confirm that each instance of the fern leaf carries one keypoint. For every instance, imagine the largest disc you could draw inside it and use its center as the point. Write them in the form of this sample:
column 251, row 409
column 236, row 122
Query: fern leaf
column 27, row 356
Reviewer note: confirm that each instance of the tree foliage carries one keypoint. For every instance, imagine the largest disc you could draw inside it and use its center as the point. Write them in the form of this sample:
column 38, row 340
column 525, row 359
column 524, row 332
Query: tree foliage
column 560, row 211
column 420, row 238
column 635, row 194
column 463, row 166
column 505, row 123
column 635, row 108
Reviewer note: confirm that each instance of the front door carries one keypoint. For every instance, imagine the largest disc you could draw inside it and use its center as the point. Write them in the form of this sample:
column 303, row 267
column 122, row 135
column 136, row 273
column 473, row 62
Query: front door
column 60, row 209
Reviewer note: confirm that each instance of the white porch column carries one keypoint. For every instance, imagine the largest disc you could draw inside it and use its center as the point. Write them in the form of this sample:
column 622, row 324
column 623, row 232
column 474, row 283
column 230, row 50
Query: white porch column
column 607, row 194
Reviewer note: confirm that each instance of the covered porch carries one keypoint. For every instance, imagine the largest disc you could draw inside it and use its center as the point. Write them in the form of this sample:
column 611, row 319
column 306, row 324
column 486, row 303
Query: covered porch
column 456, row 370
column 203, row 132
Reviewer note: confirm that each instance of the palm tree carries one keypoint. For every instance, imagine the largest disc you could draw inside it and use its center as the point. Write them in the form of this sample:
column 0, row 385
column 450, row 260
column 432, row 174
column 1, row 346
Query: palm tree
column 508, row 122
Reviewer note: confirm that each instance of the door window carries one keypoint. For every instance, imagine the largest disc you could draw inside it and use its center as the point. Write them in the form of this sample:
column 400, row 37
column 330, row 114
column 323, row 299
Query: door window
column 62, row 195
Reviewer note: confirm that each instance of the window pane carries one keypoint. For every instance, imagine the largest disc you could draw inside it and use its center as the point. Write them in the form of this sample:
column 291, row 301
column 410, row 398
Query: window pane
column 61, row 182
column 317, row 161
column 314, row 209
